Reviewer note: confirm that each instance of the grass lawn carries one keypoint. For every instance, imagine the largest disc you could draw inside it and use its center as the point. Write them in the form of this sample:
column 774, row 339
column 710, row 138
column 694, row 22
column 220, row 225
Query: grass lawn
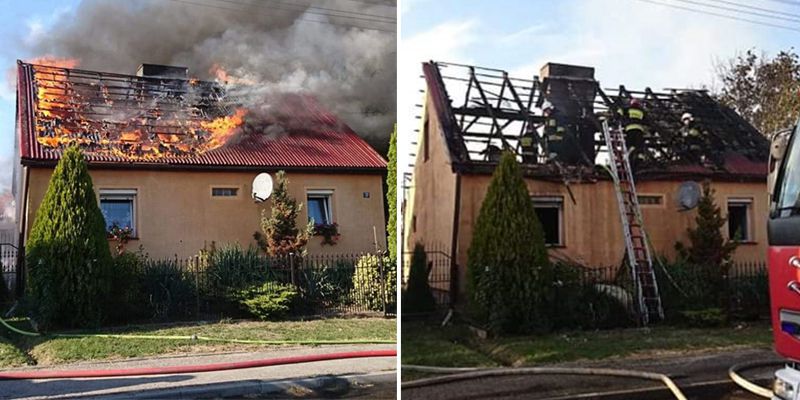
column 10, row 355
column 50, row 350
column 426, row 344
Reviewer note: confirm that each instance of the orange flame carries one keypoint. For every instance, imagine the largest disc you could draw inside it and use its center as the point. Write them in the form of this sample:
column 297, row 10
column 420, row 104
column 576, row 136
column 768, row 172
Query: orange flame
column 224, row 77
column 45, row 91
column 223, row 128
column 60, row 122
column 58, row 62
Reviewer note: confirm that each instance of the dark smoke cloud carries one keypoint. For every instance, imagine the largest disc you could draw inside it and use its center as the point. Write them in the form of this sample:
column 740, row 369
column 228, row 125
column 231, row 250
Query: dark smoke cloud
column 351, row 71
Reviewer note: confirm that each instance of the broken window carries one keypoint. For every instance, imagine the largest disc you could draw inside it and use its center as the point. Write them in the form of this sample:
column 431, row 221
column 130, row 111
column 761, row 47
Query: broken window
column 319, row 206
column 549, row 210
column 224, row 192
column 739, row 219
column 119, row 208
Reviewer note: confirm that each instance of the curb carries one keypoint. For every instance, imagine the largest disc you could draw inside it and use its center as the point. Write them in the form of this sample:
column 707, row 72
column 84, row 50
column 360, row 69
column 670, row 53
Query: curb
column 320, row 386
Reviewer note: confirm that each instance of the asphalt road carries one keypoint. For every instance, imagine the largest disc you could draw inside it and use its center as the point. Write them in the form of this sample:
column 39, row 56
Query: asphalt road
column 686, row 370
column 321, row 374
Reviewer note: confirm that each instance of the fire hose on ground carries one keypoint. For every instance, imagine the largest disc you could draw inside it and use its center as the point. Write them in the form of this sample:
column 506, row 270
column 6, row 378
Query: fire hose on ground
column 751, row 387
column 461, row 374
column 185, row 369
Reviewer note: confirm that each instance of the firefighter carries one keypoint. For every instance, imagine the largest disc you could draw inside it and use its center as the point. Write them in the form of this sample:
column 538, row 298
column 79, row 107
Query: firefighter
column 633, row 126
column 693, row 138
column 554, row 131
column 528, row 144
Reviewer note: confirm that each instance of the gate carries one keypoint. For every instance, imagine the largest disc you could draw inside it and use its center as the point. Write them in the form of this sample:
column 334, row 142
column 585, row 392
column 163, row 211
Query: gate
column 9, row 279
column 441, row 274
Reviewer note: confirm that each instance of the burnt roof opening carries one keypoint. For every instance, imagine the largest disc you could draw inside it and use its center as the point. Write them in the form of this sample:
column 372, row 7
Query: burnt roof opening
column 483, row 110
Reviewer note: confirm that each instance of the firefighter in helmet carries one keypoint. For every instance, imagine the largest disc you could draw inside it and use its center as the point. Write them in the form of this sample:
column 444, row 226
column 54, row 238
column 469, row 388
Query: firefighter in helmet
column 528, row 144
column 554, row 130
column 693, row 139
column 633, row 125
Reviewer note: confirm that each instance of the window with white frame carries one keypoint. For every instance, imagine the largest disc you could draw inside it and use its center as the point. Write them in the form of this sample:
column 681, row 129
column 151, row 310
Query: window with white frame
column 550, row 211
column 319, row 206
column 119, row 208
column 739, row 219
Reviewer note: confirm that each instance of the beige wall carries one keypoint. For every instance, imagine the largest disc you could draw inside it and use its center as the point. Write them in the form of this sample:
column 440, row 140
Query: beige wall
column 430, row 212
column 175, row 213
column 592, row 232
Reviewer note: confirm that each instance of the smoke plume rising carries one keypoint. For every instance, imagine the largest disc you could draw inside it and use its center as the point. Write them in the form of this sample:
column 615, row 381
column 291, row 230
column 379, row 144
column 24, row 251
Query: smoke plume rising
column 275, row 46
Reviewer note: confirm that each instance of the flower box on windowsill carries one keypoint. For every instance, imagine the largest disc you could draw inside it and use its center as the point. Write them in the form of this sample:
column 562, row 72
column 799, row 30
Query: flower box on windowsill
column 329, row 232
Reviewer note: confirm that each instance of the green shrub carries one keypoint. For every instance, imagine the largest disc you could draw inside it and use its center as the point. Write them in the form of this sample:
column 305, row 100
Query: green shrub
column 417, row 296
column 67, row 252
column 749, row 295
column 509, row 277
column 231, row 267
column 367, row 279
column 705, row 318
column 325, row 284
column 170, row 291
column 580, row 303
column 127, row 301
column 268, row 301
column 5, row 292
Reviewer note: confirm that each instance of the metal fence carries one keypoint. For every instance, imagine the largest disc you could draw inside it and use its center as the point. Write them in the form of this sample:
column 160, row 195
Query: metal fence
column 206, row 285
column 441, row 273
column 742, row 290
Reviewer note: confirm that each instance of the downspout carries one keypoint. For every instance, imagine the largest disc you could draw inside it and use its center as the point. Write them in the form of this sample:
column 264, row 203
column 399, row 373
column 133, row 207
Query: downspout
column 454, row 286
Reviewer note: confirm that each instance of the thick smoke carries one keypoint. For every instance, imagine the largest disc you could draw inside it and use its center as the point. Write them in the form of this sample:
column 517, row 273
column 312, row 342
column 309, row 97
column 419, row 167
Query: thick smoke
column 271, row 44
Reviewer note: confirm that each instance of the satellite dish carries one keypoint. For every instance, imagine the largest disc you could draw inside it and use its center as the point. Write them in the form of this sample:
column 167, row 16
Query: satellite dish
column 262, row 187
column 689, row 193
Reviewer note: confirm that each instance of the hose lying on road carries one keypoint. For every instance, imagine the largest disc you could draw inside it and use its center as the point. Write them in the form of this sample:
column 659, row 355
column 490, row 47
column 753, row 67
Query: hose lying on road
column 751, row 387
column 200, row 338
column 190, row 369
column 458, row 375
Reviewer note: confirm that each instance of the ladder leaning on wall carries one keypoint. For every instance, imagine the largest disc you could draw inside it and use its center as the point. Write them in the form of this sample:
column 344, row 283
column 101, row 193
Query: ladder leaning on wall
column 638, row 257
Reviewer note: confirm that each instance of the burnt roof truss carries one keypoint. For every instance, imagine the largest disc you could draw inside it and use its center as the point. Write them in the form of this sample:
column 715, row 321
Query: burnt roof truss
column 495, row 111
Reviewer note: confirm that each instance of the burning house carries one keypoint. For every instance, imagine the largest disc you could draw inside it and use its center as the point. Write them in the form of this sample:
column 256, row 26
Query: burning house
column 471, row 113
column 174, row 158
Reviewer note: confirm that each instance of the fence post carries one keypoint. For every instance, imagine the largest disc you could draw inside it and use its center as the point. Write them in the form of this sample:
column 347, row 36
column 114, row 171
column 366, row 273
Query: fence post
column 291, row 269
column 197, row 285
column 383, row 282
column 20, row 272
column 453, row 283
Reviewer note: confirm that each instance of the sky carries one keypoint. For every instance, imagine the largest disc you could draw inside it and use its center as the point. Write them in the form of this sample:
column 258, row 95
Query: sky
column 20, row 23
column 637, row 43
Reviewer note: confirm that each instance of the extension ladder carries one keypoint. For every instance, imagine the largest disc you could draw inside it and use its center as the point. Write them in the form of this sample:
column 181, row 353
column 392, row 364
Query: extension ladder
column 636, row 245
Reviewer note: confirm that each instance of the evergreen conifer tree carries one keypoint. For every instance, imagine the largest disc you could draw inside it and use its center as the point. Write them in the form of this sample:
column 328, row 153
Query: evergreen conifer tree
column 509, row 275
column 281, row 236
column 67, row 253
column 418, row 297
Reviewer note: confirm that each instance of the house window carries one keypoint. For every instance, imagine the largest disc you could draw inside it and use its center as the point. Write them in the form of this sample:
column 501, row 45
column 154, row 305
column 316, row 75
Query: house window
column 550, row 211
column 650, row 200
column 119, row 208
column 739, row 219
column 319, row 206
column 224, row 192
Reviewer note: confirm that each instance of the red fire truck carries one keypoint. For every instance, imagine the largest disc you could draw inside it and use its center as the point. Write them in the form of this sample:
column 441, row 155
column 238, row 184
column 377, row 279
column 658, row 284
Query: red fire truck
column 784, row 258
